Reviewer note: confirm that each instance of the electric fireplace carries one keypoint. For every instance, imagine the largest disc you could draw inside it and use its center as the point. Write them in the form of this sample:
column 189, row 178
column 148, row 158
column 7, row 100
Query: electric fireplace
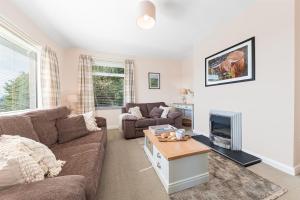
column 226, row 129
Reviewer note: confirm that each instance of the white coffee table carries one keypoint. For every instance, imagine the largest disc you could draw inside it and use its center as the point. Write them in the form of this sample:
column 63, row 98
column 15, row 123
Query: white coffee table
column 179, row 165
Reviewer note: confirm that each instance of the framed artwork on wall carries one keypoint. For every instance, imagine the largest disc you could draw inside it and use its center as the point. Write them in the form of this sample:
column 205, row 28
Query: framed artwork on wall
column 232, row 65
column 154, row 80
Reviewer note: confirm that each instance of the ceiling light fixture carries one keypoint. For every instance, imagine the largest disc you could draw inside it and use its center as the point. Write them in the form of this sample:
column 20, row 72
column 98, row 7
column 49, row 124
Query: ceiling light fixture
column 146, row 17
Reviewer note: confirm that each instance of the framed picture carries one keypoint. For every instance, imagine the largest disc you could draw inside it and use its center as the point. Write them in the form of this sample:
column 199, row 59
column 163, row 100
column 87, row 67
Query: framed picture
column 154, row 80
column 232, row 65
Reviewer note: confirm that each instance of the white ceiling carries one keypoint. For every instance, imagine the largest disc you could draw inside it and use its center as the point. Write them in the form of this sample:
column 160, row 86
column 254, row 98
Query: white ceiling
column 110, row 25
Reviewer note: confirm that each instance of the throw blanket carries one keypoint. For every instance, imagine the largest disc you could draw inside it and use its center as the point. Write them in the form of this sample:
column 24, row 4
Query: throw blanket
column 34, row 159
column 125, row 116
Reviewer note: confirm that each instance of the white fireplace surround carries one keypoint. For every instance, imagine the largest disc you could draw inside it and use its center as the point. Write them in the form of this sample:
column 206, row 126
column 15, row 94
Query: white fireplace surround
column 236, row 127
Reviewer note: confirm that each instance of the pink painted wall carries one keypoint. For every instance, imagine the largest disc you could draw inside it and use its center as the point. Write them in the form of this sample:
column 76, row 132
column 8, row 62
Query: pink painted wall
column 13, row 15
column 267, row 104
column 170, row 70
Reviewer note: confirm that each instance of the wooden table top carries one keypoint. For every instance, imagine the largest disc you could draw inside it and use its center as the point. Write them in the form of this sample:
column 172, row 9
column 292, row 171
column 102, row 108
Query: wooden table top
column 175, row 150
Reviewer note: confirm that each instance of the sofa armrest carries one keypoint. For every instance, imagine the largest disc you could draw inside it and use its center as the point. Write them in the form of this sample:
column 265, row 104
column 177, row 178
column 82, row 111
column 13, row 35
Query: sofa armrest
column 101, row 122
column 123, row 109
column 70, row 187
column 128, row 128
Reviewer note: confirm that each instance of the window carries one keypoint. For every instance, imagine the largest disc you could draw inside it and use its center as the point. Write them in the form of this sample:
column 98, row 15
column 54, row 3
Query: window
column 108, row 79
column 18, row 66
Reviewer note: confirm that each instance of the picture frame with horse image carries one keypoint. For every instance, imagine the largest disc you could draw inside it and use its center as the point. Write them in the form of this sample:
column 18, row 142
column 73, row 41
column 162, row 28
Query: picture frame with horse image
column 232, row 65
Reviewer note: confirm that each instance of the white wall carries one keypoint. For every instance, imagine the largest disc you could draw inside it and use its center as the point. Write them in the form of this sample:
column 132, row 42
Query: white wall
column 170, row 71
column 297, row 86
column 187, row 76
column 267, row 104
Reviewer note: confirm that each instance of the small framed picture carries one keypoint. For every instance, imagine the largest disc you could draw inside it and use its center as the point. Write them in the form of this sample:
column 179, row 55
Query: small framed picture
column 154, row 80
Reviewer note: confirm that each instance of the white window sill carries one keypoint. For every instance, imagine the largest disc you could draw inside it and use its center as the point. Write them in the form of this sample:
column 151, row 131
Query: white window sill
column 17, row 112
column 109, row 108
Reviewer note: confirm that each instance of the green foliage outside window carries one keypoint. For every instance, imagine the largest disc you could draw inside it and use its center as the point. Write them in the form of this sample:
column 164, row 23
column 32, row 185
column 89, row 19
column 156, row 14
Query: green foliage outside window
column 114, row 70
column 16, row 95
column 108, row 90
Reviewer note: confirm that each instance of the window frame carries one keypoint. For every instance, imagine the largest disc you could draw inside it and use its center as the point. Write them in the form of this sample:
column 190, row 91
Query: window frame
column 14, row 35
column 109, row 63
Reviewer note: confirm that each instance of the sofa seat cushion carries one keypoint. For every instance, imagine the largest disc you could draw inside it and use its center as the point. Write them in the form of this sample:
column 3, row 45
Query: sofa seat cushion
column 64, row 187
column 145, row 122
column 92, row 137
column 18, row 125
column 43, row 122
column 85, row 160
column 161, row 121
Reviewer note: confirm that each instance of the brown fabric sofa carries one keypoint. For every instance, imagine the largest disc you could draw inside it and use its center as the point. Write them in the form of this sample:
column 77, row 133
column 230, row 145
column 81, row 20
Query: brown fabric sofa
column 84, row 156
column 133, row 128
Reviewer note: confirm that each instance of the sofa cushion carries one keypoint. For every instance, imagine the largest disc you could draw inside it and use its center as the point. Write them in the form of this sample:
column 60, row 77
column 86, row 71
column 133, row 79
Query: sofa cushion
column 156, row 112
column 165, row 112
column 71, row 128
column 145, row 122
column 18, row 125
column 150, row 106
column 143, row 108
column 161, row 121
column 64, row 187
column 90, row 121
column 136, row 112
column 85, row 160
column 43, row 122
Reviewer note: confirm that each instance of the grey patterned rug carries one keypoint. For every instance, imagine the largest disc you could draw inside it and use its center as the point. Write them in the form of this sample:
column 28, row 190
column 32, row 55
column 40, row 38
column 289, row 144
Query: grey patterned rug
column 229, row 181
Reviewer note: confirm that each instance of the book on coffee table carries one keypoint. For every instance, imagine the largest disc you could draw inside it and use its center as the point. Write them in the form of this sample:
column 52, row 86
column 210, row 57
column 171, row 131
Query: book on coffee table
column 159, row 129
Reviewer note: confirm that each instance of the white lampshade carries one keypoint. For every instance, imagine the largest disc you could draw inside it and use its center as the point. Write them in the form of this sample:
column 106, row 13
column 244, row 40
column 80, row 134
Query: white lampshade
column 146, row 17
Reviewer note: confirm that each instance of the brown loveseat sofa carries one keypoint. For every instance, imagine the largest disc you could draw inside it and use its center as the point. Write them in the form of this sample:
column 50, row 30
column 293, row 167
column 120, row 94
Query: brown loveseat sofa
column 133, row 128
column 79, row 177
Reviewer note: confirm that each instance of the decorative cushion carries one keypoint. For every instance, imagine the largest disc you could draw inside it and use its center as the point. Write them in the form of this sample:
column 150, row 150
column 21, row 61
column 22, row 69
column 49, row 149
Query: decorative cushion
column 136, row 112
column 18, row 125
column 150, row 106
column 156, row 112
column 142, row 106
column 174, row 115
column 90, row 121
column 71, row 128
column 165, row 111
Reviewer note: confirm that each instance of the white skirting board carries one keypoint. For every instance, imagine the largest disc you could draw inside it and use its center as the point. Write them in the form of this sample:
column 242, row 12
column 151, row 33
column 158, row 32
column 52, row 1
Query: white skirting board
column 278, row 165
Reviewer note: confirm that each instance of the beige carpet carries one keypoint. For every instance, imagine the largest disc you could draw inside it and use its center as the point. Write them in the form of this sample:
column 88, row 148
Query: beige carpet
column 127, row 175
column 124, row 176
